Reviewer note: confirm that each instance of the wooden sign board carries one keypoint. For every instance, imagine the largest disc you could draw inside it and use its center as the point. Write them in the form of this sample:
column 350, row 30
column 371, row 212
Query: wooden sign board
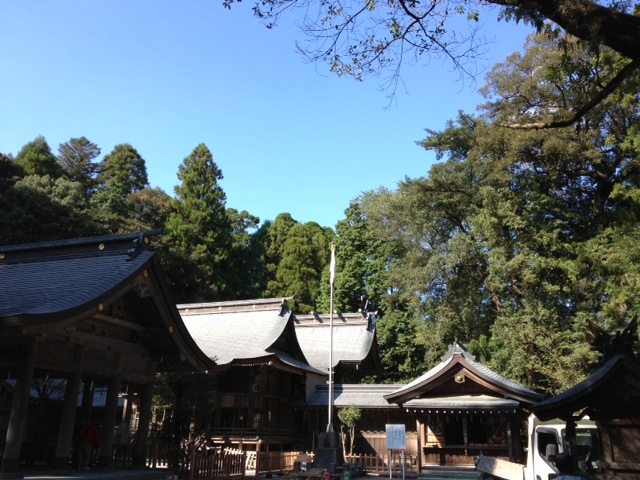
column 500, row 468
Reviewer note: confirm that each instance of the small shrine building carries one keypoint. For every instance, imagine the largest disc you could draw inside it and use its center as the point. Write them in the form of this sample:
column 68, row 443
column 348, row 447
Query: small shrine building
column 453, row 413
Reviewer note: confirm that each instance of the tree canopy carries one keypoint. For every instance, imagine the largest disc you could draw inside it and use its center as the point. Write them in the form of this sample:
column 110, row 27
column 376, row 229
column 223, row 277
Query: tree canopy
column 369, row 37
column 505, row 239
column 514, row 240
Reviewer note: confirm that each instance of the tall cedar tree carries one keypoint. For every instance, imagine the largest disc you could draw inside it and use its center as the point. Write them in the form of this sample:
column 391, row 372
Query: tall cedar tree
column 297, row 256
column 76, row 157
column 200, row 231
column 35, row 158
column 123, row 171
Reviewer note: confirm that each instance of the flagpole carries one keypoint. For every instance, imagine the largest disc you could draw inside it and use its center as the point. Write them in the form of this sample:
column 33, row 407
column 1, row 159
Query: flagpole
column 332, row 278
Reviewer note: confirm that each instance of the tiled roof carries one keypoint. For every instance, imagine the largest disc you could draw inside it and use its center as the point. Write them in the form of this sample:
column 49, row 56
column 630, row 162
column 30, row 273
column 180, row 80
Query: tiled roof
column 457, row 402
column 353, row 338
column 458, row 354
column 244, row 331
column 65, row 277
column 62, row 283
column 363, row 396
column 611, row 390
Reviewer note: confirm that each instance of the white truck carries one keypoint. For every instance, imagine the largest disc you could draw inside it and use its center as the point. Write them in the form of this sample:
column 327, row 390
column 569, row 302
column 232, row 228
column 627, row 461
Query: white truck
column 546, row 439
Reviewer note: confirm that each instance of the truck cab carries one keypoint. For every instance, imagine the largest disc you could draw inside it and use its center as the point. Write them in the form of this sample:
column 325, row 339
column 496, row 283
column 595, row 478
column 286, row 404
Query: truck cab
column 547, row 439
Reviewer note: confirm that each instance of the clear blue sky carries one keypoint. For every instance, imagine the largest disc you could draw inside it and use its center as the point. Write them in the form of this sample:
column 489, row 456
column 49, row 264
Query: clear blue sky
column 167, row 75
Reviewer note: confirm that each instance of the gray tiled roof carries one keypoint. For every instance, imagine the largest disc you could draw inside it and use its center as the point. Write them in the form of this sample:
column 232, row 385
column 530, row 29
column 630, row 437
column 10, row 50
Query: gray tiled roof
column 456, row 402
column 228, row 336
column 244, row 331
column 363, row 396
column 56, row 286
column 353, row 337
column 458, row 353
column 68, row 281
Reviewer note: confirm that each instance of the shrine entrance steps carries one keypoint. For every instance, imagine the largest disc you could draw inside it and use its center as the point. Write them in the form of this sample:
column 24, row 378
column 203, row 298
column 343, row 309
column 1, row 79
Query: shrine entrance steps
column 449, row 473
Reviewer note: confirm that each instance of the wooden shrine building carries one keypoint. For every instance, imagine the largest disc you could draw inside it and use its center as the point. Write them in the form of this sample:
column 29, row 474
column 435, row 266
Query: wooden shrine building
column 355, row 345
column 261, row 370
column 611, row 397
column 463, row 408
column 270, row 359
column 91, row 313
column 455, row 411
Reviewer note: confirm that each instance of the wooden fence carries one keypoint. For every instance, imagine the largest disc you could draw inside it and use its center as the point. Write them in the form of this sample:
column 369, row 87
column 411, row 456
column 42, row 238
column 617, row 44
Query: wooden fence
column 198, row 461
column 374, row 463
column 266, row 462
column 201, row 462
column 213, row 463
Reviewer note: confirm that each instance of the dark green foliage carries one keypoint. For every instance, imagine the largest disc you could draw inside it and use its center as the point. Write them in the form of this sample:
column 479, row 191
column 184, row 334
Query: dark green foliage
column 76, row 157
column 124, row 167
column 40, row 208
column 200, row 232
column 520, row 235
column 361, row 264
column 35, row 158
column 121, row 173
column 296, row 257
column 247, row 271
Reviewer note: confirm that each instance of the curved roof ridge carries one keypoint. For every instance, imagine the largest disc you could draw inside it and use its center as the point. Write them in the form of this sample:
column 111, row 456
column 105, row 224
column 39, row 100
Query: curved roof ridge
column 424, row 377
column 459, row 354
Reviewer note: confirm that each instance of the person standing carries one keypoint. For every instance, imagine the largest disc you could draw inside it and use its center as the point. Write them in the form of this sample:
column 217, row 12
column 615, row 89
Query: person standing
column 89, row 440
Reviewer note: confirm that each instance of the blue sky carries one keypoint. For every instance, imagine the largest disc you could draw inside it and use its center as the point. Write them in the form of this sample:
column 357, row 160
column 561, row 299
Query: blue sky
column 167, row 75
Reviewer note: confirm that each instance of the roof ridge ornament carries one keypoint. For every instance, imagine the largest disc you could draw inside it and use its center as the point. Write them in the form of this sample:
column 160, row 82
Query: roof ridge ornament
column 609, row 345
column 284, row 306
column 458, row 348
column 140, row 244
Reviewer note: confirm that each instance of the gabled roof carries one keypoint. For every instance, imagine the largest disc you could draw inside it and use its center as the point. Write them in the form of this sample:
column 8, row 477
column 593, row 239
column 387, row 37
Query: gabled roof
column 54, row 286
column 249, row 332
column 354, row 339
column 361, row 395
column 612, row 391
column 459, row 365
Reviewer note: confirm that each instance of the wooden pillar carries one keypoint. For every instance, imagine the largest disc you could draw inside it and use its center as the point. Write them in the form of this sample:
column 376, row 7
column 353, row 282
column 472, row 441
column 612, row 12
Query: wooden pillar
column 510, row 439
column 68, row 416
column 420, row 431
column 142, row 435
column 18, row 416
column 109, row 419
column 571, row 437
column 87, row 401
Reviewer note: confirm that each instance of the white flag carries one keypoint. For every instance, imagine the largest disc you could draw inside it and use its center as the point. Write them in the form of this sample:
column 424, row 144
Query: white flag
column 332, row 268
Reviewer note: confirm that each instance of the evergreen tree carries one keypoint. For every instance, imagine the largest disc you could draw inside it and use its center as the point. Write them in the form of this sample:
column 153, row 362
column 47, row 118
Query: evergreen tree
column 361, row 264
column 247, row 270
column 502, row 239
column 200, row 231
column 40, row 208
column 296, row 257
column 35, row 158
column 122, row 172
column 77, row 160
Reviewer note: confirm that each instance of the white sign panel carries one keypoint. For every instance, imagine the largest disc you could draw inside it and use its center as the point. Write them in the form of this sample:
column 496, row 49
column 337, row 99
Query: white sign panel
column 396, row 438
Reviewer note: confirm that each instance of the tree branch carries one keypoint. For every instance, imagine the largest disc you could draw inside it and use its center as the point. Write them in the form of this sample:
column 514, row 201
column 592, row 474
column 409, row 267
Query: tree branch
column 609, row 88
column 588, row 21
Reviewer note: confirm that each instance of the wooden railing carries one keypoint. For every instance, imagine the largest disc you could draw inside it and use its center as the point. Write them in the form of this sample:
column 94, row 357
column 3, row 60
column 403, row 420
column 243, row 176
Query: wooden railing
column 266, row 462
column 374, row 463
column 198, row 460
column 213, row 463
